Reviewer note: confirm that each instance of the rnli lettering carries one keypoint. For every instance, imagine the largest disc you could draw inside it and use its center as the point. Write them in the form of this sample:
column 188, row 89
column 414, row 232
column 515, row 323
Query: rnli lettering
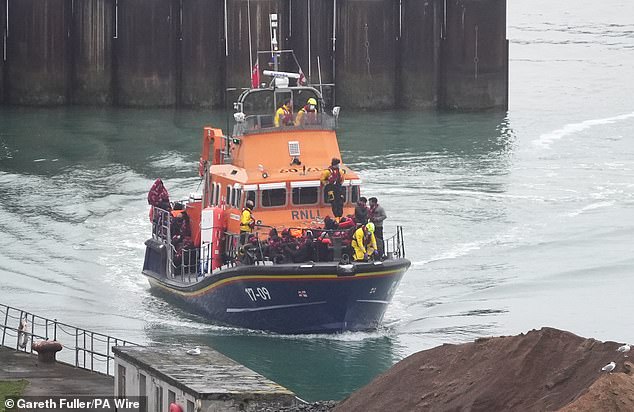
column 304, row 214
column 296, row 170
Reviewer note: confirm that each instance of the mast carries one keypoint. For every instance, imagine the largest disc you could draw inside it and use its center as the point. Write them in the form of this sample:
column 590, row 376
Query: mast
column 274, row 43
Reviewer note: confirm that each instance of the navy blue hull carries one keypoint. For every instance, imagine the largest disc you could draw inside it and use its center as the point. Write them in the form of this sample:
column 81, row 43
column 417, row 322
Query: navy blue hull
column 291, row 298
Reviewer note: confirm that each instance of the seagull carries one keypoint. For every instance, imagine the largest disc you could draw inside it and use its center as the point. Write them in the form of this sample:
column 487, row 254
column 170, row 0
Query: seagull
column 609, row 367
column 624, row 349
column 196, row 351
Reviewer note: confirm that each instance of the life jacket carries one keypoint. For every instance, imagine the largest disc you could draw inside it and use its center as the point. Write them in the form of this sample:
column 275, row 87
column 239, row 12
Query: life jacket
column 335, row 176
column 306, row 116
column 284, row 116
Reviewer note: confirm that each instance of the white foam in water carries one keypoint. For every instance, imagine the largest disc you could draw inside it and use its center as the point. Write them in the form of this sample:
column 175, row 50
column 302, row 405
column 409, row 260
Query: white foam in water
column 589, row 207
column 547, row 139
column 454, row 253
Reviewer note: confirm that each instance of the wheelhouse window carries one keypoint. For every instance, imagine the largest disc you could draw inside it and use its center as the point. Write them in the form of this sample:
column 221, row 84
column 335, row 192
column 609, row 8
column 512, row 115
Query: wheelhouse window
column 238, row 198
column 210, row 194
column 305, row 192
column 249, row 195
column 305, row 195
column 273, row 197
column 355, row 193
column 273, row 194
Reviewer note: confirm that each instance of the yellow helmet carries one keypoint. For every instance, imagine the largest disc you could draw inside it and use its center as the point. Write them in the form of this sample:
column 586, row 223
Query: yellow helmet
column 312, row 101
column 370, row 227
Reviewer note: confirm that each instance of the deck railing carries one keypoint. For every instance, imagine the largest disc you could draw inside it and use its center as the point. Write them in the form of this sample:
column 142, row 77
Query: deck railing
column 263, row 122
column 395, row 245
column 187, row 264
column 82, row 348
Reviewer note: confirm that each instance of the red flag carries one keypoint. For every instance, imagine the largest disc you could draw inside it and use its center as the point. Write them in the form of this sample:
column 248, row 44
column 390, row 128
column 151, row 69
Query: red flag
column 302, row 79
column 255, row 75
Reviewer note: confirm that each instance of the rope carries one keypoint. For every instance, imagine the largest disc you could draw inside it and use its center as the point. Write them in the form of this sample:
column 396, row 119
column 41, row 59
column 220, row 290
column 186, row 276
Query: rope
column 13, row 317
column 100, row 340
column 41, row 324
column 59, row 327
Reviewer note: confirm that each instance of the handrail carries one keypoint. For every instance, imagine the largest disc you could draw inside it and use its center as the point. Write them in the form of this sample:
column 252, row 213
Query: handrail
column 85, row 346
column 188, row 264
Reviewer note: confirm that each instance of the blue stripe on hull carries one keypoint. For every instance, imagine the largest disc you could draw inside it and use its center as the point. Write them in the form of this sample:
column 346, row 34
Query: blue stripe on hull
column 295, row 305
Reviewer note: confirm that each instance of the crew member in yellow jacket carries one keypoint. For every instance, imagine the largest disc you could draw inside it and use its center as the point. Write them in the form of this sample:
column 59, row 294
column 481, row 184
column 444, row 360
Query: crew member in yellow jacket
column 364, row 242
column 247, row 222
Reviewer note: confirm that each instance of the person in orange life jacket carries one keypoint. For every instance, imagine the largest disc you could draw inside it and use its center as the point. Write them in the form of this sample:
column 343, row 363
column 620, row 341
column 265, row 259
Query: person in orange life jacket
column 308, row 113
column 247, row 222
column 377, row 215
column 364, row 243
column 332, row 179
column 284, row 115
column 361, row 211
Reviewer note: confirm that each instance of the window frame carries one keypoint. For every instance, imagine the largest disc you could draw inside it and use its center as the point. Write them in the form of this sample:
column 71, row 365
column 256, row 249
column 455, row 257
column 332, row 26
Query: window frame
column 264, row 187
column 305, row 184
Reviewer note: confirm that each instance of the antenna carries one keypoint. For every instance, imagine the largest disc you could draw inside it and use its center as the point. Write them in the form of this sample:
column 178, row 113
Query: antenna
column 274, row 42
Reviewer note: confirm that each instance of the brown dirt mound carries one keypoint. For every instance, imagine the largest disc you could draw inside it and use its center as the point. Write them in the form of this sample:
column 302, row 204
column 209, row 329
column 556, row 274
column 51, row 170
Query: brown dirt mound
column 543, row 370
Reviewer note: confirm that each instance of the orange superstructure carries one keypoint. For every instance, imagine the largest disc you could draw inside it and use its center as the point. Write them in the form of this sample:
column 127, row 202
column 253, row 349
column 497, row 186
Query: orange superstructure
column 278, row 168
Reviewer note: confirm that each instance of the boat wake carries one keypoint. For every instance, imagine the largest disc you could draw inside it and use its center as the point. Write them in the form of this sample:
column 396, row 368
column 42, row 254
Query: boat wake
column 546, row 139
column 590, row 207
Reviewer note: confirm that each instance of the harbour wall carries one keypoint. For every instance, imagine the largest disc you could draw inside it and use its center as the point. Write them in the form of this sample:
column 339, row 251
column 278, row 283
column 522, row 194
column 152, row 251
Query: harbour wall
column 381, row 54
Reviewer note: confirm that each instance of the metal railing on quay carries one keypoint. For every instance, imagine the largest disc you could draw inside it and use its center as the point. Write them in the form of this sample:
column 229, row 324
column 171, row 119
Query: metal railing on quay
column 82, row 348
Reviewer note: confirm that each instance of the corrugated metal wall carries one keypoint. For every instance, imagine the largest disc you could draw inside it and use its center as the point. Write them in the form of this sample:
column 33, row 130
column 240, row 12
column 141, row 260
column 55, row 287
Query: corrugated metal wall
column 3, row 20
column 238, row 61
column 202, row 53
column 475, row 55
column 420, row 47
column 310, row 35
column 366, row 53
column 387, row 53
column 145, row 52
column 37, row 53
column 92, row 51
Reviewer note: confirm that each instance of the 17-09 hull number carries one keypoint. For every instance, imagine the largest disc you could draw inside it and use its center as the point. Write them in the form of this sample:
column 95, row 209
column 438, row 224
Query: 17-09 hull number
column 258, row 293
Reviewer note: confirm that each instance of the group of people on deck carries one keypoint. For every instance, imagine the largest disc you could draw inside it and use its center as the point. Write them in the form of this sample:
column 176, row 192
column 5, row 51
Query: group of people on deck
column 306, row 115
column 360, row 234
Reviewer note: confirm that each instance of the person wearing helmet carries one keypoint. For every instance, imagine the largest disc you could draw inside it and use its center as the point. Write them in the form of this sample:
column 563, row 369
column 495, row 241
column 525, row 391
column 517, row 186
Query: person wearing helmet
column 308, row 113
column 332, row 179
column 364, row 243
column 247, row 222
column 284, row 115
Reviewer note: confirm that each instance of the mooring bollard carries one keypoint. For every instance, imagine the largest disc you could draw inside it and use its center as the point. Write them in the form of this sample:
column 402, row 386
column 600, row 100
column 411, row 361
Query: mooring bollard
column 46, row 350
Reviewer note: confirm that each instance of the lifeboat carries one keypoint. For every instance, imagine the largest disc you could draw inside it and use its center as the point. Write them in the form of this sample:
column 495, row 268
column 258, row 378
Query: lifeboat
column 292, row 274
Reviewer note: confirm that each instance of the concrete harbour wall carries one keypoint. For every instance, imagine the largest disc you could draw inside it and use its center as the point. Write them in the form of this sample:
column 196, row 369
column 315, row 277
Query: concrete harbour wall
column 382, row 54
